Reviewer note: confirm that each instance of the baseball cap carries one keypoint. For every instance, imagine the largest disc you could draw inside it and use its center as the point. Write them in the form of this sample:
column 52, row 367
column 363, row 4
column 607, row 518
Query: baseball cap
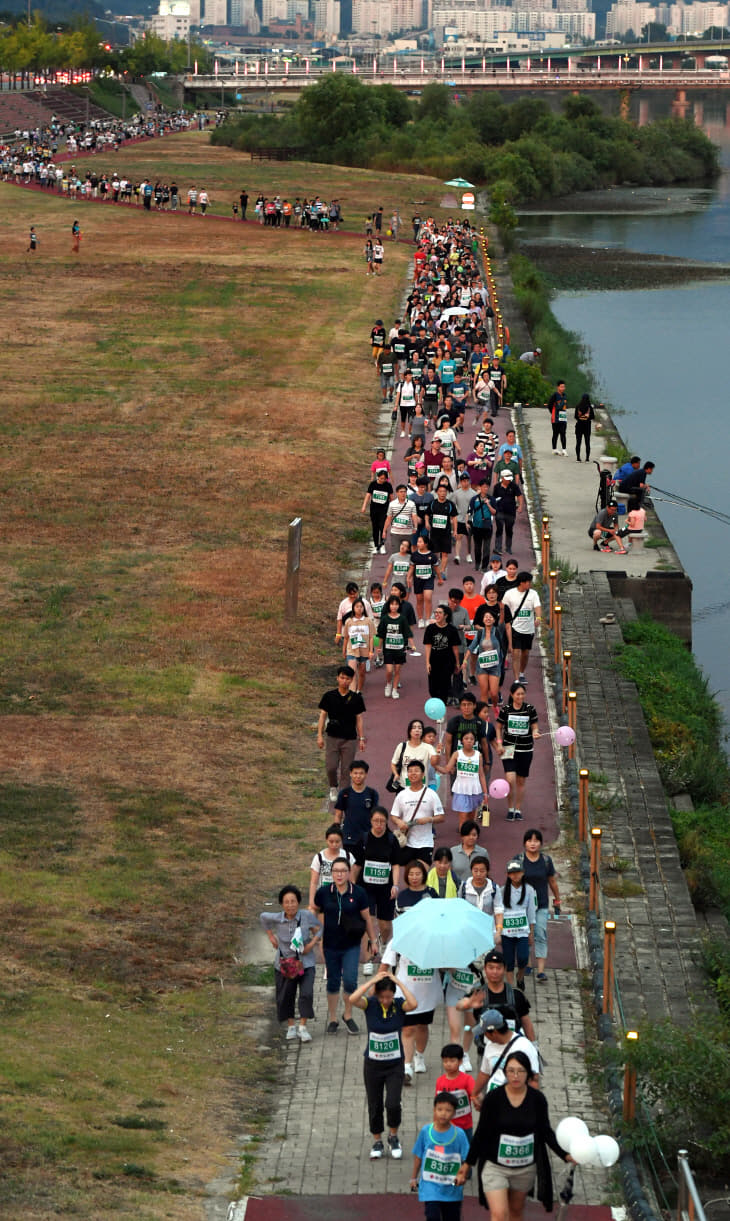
column 494, row 956
column 493, row 1020
column 464, row 475
column 506, row 475
column 515, row 866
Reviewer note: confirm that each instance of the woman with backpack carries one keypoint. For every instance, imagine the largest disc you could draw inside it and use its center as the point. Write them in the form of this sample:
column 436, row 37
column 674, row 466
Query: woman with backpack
column 518, row 922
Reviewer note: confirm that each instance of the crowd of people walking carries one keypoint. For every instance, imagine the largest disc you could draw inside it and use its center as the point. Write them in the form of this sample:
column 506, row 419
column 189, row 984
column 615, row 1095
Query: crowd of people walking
column 476, row 630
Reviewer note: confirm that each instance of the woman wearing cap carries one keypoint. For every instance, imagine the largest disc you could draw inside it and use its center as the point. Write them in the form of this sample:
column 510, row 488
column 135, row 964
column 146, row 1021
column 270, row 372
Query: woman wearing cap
column 394, row 631
column 518, row 922
column 384, row 1061
column 517, row 732
column 486, row 647
column 510, row 1145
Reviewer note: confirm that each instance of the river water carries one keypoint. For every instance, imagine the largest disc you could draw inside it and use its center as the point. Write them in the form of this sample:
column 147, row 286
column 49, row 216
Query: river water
column 661, row 359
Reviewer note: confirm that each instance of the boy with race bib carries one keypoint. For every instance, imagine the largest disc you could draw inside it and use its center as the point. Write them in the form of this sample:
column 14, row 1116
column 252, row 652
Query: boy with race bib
column 436, row 1153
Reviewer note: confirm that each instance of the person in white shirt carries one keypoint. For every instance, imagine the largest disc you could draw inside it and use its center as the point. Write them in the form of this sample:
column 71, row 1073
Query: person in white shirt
column 493, row 573
column 500, row 1042
column 416, row 810
column 521, row 616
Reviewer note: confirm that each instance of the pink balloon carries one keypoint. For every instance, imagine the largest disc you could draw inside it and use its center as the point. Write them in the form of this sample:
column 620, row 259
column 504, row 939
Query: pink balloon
column 498, row 789
column 565, row 736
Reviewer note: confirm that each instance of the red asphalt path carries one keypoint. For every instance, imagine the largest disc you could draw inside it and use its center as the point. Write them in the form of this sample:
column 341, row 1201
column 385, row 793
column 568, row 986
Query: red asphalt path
column 385, row 1208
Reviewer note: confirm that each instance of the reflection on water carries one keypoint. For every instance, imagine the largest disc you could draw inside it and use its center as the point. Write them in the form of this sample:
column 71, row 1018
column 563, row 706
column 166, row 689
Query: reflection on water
column 660, row 356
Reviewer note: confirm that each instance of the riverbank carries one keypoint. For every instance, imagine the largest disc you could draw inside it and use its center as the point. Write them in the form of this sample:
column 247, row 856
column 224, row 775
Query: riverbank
column 569, row 266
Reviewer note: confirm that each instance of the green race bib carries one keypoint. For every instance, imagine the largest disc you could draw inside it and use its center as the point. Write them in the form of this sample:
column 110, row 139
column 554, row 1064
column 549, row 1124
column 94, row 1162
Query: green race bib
column 518, row 724
column 516, row 923
column 419, row 975
column 383, row 1046
column 377, row 873
column 440, row 1168
column 516, row 1150
column 490, row 658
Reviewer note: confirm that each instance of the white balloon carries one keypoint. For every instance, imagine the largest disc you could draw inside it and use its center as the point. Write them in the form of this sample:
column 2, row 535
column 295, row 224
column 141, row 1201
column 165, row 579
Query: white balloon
column 568, row 1129
column 583, row 1149
column 608, row 1150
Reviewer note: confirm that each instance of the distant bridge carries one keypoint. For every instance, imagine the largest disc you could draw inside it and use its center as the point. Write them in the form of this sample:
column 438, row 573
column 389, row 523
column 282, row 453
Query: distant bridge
column 536, row 74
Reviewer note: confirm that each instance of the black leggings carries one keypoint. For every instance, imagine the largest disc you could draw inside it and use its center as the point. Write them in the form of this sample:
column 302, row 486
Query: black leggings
column 377, row 523
column 384, row 1078
column 482, row 546
column 560, row 432
column 583, row 433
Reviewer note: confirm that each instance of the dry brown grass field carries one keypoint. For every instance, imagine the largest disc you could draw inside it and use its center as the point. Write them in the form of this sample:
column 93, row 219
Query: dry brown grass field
column 173, row 396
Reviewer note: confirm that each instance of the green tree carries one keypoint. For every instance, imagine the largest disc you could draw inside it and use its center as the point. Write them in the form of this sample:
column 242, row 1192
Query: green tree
column 337, row 112
column 654, row 31
column 397, row 109
column 435, row 103
column 716, row 33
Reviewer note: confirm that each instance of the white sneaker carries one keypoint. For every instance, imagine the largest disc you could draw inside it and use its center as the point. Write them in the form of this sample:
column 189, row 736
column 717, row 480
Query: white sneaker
column 303, row 1034
column 408, row 1078
column 402, row 434
column 382, row 549
column 388, row 689
column 466, row 1064
column 369, row 968
column 395, row 695
column 469, row 560
column 419, row 1064
column 421, row 623
column 333, row 794
column 291, row 1034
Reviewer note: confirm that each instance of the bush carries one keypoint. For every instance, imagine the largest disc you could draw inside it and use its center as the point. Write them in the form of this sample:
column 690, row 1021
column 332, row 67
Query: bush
column 684, row 1075
column 685, row 723
column 525, row 383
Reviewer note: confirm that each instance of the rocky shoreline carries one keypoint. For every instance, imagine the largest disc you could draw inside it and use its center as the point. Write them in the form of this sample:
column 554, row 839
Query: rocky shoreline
column 571, row 266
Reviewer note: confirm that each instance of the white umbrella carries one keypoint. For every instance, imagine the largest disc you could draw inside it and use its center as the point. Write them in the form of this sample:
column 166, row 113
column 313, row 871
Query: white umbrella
column 454, row 311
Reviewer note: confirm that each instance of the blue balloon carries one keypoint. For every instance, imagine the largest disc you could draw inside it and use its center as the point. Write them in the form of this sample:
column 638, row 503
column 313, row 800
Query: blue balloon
column 435, row 709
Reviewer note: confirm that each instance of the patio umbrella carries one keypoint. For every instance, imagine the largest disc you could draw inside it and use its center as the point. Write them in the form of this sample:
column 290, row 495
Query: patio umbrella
column 461, row 183
column 443, row 933
column 452, row 312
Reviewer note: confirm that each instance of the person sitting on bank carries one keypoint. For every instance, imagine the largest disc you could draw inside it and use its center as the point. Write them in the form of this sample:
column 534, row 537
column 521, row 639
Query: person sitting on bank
column 604, row 530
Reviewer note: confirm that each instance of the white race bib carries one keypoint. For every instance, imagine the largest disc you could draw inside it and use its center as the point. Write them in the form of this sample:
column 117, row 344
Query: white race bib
column 377, row 873
column 383, row 1046
column 516, row 1150
column 440, row 1167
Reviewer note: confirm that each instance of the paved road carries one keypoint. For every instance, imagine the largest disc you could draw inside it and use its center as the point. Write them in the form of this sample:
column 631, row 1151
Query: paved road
column 317, row 1143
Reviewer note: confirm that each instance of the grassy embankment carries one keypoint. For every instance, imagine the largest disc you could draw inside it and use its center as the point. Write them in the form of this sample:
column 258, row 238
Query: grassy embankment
column 170, row 399
column 687, row 731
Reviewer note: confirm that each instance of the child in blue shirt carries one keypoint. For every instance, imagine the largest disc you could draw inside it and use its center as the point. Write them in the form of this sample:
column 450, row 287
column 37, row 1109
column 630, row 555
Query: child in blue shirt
column 436, row 1155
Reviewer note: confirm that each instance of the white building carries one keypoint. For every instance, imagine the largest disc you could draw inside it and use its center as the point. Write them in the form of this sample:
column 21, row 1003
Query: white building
column 216, row 12
column 273, row 10
column 628, row 15
column 326, row 18
column 172, row 20
column 371, row 17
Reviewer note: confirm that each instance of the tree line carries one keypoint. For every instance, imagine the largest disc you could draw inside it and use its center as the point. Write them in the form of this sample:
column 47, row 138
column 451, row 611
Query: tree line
column 523, row 150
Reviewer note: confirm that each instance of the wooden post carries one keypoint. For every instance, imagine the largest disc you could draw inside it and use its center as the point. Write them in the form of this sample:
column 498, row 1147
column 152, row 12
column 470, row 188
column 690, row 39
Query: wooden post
column 545, row 551
column 558, row 613
column 596, row 834
column 583, row 777
column 609, row 948
column 293, row 563
column 567, row 676
column 553, row 578
column 572, row 719
column 630, row 1084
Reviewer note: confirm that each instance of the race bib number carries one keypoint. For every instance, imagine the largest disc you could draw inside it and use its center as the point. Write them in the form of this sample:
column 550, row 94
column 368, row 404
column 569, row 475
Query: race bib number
column 383, row 1046
column 379, row 498
column 463, row 980
column 357, row 641
column 518, row 724
column 490, row 658
column 419, row 975
column 516, row 1150
column 440, row 521
column 377, row 873
column 424, row 572
column 463, row 1105
column 562, row 416
column 467, row 768
column 432, row 471
column 401, row 566
column 516, row 923
column 394, row 640
column 440, row 1168
column 402, row 519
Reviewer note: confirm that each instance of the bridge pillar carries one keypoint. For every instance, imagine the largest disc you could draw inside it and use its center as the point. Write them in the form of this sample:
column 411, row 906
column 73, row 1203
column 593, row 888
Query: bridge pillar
column 679, row 104
column 625, row 104
column 644, row 115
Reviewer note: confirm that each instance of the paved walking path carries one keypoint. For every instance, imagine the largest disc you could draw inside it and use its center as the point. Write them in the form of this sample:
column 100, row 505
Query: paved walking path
column 317, row 1142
